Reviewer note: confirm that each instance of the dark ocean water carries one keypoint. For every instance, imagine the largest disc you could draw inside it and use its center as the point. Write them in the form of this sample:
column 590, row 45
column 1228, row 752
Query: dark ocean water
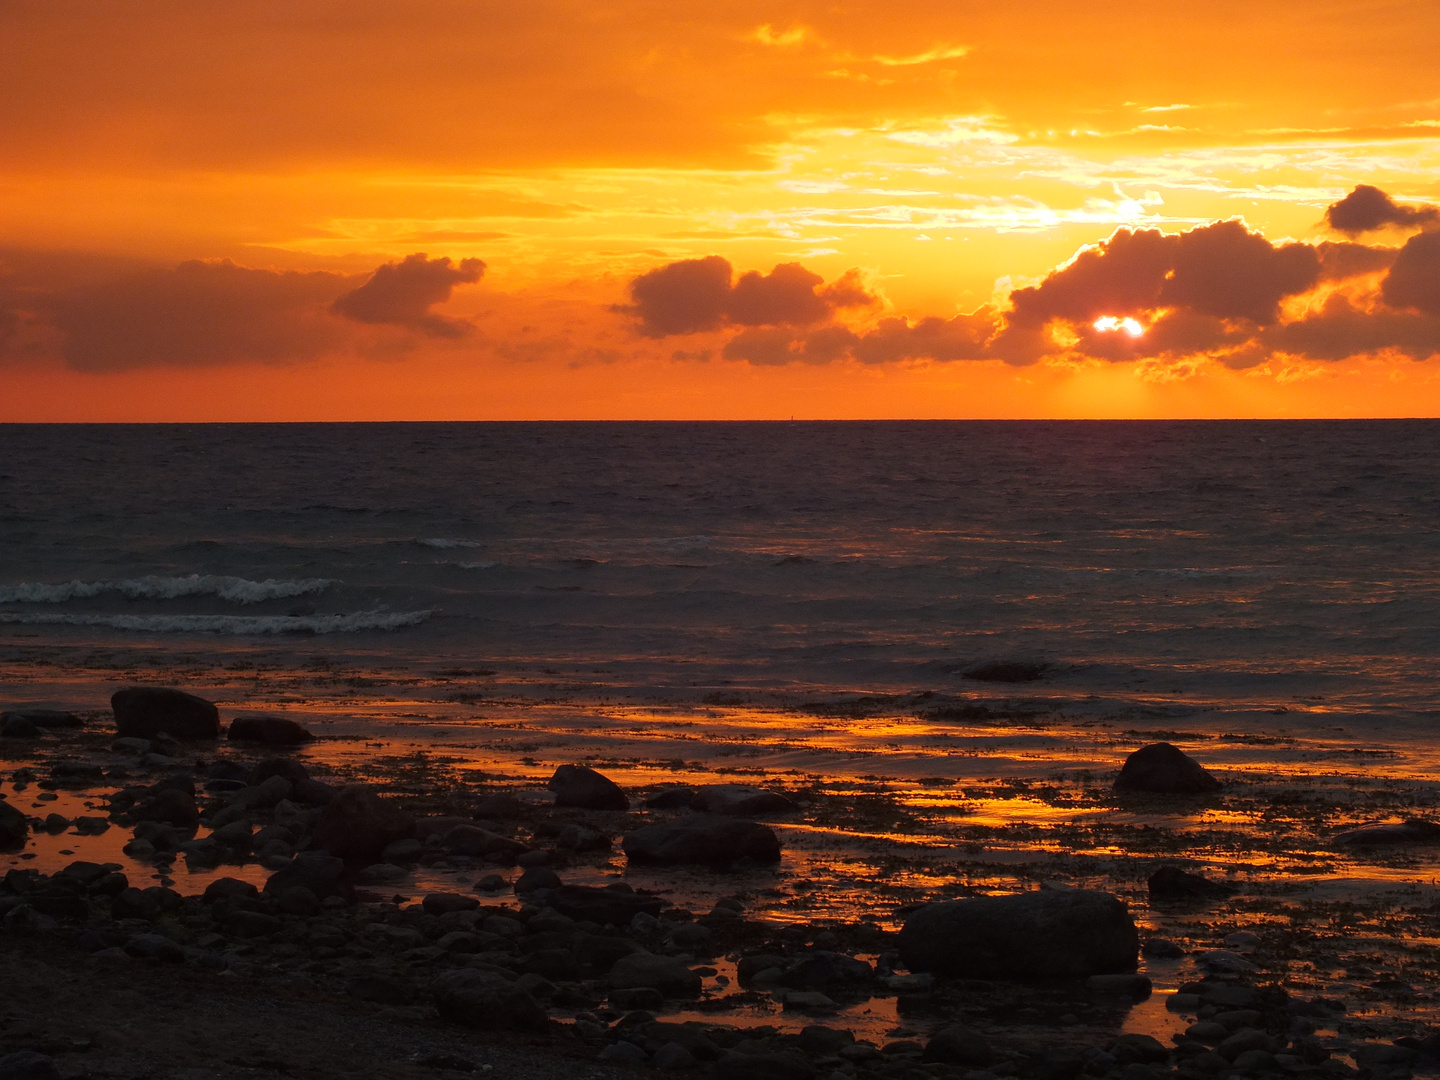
column 1234, row 564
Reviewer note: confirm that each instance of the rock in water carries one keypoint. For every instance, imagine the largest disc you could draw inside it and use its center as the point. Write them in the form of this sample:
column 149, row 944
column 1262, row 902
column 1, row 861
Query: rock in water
column 576, row 785
column 714, row 841
column 144, row 712
column 14, row 826
column 1172, row 883
column 1165, row 770
column 270, row 730
column 358, row 824
column 481, row 999
column 1062, row 934
column 959, row 1045
column 740, row 800
column 662, row 973
column 1412, row 831
column 323, row 875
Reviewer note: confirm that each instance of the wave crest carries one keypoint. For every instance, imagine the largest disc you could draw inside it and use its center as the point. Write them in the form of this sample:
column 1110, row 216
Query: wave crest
column 235, row 625
column 233, row 589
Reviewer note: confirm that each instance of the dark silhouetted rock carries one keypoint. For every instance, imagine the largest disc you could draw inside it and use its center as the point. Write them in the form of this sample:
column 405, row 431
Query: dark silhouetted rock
column 28, row 1065
column 1172, row 883
column 704, row 839
column 1006, row 671
column 14, row 827
column 672, row 798
column 144, row 712
column 228, row 888
column 537, row 877
column 1034, row 935
column 15, row 726
column 501, row 805
column 1125, row 984
column 473, row 840
column 1414, row 831
column 614, row 906
column 740, row 800
column 663, row 973
column 323, row 875
column 480, row 999
column 445, row 903
column 43, row 718
column 576, row 785
column 1163, row 769
column 358, row 824
column 154, row 947
column 286, row 767
column 959, row 1045
column 311, row 792
column 270, row 730
column 170, row 805
column 781, row 1066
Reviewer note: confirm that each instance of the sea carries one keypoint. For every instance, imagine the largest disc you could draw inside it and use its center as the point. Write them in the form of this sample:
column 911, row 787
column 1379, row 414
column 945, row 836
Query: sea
column 1171, row 566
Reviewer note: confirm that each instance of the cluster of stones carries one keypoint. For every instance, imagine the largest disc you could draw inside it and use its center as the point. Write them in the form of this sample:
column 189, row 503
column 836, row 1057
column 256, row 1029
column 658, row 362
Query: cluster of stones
column 613, row 957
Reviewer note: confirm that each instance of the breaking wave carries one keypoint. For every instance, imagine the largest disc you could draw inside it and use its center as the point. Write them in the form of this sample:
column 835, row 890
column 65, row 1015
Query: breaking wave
column 235, row 590
column 237, row 625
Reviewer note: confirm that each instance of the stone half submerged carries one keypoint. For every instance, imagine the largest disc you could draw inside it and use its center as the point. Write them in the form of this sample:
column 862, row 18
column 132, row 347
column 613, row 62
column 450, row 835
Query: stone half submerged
column 1070, row 933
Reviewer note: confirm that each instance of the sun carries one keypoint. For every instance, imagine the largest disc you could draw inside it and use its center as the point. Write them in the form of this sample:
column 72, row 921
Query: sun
column 1130, row 326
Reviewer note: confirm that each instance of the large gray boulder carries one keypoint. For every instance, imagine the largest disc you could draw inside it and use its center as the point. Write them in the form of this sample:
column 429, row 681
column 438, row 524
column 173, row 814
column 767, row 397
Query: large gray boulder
column 1069, row 933
column 143, row 712
column 358, row 824
column 703, row 839
column 1163, row 769
column 579, row 786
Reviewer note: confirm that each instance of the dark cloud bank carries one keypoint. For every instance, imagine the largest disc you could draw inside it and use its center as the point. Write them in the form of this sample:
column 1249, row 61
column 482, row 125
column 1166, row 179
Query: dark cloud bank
column 208, row 313
column 1218, row 290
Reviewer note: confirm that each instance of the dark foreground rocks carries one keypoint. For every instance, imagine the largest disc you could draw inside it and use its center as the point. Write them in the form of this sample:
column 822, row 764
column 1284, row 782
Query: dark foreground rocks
column 702, row 839
column 144, row 712
column 1163, row 769
column 586, row 789
column 14, row 827
column 359, row 824
column 1172, row 883
column 1061, row 934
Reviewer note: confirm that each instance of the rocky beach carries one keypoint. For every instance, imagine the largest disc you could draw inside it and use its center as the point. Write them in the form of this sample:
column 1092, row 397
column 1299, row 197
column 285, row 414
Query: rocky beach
column 1119, row 904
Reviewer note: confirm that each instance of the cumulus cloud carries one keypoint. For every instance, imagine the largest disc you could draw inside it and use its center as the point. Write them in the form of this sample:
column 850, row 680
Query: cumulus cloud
column 1414, row 279
column 695, row 295
column 402, row 294
column 197, row 313
column 1367, row 209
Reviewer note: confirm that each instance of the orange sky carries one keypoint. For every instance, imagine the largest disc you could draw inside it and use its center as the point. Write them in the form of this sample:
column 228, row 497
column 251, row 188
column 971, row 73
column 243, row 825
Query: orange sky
column 195, row 200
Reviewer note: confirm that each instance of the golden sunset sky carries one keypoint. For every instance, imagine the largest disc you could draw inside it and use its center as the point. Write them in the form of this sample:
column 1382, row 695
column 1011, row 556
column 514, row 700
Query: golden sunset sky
column 245, row 211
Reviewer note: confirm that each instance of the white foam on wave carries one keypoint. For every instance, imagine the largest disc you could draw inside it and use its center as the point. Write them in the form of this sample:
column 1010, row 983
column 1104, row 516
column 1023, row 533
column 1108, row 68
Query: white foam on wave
column 481, row 565
column 237, row 625
column 444, row 544
column 234, row 589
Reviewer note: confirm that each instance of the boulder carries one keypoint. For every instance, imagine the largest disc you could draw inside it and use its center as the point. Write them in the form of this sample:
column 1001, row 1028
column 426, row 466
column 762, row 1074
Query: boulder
column 14, row 827
column 144, row 712
column 171, row 806
column 291, row 769
column 503, row 804
column 959, row 1045
column 1172, row 883
column 740, row 800
column 672, row 798
column 473, row 840
column 1416, row 831
column 786, row 1065
column 1163, row 769
column 576, row 785
column 705, row 839
column 270, row 730
column 323, row 875
column 446, row 902
column 481, row 999
column 17, row 726
column 1034, row 935
column 613, row 906
column 358, row 824
column 28, row 1065
column 44, row 718
column 663, row 973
